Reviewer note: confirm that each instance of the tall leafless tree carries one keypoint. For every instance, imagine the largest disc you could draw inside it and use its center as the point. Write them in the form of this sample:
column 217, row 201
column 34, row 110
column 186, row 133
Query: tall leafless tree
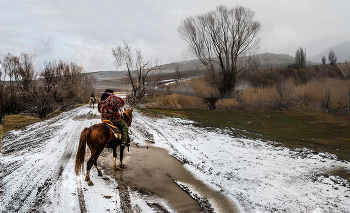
column 138, row 69
column 300, row 58
column 332, row 58
column 26, row 71
column 11, row 66
column 218, row 39
column 48, row 75
column 3, row 75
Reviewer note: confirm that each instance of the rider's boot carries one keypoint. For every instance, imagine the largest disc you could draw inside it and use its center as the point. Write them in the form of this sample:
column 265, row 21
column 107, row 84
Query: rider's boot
column 126, row 143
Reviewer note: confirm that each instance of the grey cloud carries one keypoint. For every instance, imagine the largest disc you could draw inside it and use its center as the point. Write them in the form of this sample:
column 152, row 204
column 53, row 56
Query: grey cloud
column 84, row 31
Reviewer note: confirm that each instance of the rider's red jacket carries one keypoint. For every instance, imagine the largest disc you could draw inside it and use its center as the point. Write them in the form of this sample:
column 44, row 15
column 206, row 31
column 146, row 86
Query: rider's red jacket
column 109, row 108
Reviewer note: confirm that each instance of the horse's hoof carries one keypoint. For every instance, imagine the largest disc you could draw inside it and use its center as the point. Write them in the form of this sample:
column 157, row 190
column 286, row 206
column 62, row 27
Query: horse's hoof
column 100, row 174
column 90, row 183
column 119, row 167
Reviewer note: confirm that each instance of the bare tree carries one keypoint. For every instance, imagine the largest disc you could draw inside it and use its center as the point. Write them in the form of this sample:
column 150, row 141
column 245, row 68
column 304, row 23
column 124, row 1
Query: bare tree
column 26, row 71
column 48, row 75
column 177, row 71
column 332, row 58
column 323, row 60
column 10, row 66
column 300, row 58
column 3, row 75
column 218, row 39
column 138, row 68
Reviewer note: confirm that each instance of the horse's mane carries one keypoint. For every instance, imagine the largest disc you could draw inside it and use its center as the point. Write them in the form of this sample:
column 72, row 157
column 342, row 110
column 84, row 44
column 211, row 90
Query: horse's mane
column 127, row 115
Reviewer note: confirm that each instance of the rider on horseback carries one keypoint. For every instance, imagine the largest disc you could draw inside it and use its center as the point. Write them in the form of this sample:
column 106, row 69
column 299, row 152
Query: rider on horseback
column 109, row 106
column 92, row 99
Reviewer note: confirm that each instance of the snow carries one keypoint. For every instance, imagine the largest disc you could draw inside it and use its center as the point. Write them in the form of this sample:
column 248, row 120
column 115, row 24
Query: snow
column 37, row 169
column 260, row 177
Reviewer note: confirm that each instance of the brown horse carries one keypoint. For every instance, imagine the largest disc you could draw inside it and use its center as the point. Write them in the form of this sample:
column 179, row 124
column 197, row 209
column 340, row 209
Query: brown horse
column 97, row 137
column 92, row 102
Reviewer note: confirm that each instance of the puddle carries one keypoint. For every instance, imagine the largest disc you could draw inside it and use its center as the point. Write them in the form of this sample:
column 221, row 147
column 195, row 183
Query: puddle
column 152, row 169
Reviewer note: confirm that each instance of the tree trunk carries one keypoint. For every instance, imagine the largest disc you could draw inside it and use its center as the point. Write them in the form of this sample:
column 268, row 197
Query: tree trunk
column 211, row 102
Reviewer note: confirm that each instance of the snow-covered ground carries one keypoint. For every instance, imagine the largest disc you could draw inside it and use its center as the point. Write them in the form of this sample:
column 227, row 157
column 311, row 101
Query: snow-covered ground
column 37, row 169
column 257, row 175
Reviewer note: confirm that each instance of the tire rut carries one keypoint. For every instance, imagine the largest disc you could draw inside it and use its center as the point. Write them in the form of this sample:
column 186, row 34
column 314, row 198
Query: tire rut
column 25, row 192
column 125, row 203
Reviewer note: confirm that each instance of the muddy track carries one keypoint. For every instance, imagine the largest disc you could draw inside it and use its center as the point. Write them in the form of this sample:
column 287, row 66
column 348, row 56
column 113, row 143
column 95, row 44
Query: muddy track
column 58, row 170
column 32, row 194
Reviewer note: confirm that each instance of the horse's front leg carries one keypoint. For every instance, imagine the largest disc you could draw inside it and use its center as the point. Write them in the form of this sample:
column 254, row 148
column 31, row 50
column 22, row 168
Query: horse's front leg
column 121, row 165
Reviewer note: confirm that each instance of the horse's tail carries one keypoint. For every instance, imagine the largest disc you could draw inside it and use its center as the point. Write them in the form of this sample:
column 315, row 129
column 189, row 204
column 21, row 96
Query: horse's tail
column 79, row 159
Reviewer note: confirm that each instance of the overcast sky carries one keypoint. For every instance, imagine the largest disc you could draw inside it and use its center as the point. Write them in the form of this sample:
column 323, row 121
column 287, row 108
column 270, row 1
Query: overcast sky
column 85, row 31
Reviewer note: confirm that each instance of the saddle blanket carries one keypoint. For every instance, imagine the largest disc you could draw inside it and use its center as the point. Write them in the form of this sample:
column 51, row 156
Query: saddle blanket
column 115, row 130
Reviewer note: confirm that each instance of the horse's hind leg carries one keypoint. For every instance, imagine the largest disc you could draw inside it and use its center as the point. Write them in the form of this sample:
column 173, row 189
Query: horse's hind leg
column 87, row 176
column 90, row 163
column 88, row 167
column 98, row 169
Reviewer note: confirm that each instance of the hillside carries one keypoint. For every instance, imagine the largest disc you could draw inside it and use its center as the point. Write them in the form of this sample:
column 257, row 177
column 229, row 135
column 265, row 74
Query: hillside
column 188, row 69
column 342, row 52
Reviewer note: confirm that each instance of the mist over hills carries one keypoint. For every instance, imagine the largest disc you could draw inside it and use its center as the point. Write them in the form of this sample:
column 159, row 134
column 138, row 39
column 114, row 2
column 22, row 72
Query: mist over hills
column 193, row 67
column 342, row 52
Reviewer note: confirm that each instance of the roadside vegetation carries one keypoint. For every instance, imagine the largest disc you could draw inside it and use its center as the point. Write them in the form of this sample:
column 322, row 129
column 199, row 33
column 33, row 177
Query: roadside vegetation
column 26, row 90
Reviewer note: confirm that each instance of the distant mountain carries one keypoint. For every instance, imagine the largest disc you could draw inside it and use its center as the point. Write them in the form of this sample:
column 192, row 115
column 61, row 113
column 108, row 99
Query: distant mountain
column 266, row 60
column 342, row 52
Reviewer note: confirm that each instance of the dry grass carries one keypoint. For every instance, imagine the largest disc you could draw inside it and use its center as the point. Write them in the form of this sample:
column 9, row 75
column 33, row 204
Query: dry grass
column 227, row 104
column 176, row 101
column 204, row 88
column 329, row 93
column 268, row 77
column 259, row 97
column 17, row 121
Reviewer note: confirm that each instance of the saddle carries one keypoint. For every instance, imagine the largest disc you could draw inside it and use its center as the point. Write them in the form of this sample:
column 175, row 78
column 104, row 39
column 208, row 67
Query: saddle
column 115, row 130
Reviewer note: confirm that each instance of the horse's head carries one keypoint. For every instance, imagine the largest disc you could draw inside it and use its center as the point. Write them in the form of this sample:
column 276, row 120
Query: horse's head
column 127, row 116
